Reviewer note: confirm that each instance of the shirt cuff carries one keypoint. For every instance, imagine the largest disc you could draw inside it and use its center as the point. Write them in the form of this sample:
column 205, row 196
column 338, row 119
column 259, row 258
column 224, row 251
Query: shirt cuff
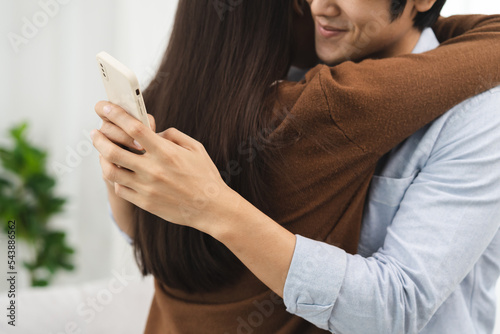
column 125, row 235
column 314, row 280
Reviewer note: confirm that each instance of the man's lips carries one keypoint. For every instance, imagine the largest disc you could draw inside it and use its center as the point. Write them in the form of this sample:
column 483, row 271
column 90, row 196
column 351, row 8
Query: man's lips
column 329, row 31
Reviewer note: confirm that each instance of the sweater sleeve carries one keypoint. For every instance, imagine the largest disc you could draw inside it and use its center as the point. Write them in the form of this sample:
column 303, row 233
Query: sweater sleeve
column 448, row 27
column 379, row 103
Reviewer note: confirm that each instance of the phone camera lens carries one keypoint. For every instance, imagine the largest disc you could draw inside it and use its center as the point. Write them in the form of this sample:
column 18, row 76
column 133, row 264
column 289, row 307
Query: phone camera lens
column 137, row 92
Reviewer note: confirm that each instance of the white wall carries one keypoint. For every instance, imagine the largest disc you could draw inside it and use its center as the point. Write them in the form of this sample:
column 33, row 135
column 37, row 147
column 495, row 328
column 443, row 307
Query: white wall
column 52, row 81
column 453, row 7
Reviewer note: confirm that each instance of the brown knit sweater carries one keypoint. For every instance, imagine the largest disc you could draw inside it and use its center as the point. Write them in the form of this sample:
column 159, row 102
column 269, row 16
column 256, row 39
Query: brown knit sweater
column 341, row 121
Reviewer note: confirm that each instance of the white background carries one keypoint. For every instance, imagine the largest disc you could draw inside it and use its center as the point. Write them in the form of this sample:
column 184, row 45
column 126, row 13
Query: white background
column 52, row 82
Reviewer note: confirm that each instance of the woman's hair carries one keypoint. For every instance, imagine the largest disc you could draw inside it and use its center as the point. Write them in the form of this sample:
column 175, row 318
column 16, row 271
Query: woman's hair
column 215, row 83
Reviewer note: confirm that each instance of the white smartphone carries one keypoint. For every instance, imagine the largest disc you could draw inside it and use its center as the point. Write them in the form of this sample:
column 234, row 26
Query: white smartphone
column 122, row 86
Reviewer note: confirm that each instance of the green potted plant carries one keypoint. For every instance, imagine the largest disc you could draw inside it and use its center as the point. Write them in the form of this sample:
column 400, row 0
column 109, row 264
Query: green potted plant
column 27, row 196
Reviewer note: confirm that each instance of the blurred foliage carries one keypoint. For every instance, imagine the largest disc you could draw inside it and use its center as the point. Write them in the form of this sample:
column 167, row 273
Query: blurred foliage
column 27, row 196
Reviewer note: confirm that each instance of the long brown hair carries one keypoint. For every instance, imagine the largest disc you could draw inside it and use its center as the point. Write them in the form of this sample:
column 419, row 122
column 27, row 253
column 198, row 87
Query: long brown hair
column 215, row 83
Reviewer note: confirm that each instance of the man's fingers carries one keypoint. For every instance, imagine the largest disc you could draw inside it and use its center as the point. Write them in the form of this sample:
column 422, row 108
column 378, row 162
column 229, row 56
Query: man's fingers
column 113, row 153
column 99, row 109
column 114, row 174
column 128, row 194
column 134, row 128
column 181, row 139
column 152, row 122
column 117, row 135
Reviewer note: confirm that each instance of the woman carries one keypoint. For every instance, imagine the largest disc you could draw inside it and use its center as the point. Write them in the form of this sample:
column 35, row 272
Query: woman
column 199, row 282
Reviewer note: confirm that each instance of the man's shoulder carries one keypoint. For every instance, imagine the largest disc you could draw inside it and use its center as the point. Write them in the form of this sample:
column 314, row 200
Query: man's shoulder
column 476, row 111
column 481, row 100
column 475, row 120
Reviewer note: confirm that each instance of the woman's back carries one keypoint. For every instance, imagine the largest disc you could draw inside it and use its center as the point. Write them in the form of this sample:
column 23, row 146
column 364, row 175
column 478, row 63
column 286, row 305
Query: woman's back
column 221, row 63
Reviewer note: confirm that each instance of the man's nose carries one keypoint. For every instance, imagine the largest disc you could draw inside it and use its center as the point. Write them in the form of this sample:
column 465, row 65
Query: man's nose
column 327, row 8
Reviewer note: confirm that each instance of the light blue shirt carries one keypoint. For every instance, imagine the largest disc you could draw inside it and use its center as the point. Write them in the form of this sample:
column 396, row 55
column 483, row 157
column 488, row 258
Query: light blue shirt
column 429, row 252
column 125, row 236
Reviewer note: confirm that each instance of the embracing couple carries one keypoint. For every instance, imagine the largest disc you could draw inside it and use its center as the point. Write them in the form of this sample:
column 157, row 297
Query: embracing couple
column 320, row 166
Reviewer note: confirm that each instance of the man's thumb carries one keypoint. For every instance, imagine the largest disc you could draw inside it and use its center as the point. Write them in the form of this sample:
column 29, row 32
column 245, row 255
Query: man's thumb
column 152, row 122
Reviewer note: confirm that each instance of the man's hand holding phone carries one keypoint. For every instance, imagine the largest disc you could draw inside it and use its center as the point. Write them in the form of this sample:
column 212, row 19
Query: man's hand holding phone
column 115, row 133
column 123, row 91
column 122, row 210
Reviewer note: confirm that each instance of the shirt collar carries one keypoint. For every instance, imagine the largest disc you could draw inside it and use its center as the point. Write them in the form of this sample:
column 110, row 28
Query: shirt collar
column 427, row 42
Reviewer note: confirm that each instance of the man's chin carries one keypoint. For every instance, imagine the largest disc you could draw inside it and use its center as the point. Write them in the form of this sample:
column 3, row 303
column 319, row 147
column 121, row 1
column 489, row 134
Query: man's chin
column 330, row 57
column 332, row 61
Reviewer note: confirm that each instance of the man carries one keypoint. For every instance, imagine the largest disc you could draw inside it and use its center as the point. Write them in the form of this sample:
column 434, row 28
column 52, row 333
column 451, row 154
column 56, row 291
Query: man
column 429, row 253
column 430, row 246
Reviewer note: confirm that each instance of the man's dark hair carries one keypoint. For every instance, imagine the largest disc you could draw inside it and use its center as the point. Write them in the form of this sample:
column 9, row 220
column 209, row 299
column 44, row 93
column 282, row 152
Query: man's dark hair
column 422, row 20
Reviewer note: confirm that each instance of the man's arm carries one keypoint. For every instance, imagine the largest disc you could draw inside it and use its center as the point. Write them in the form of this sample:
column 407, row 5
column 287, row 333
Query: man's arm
column 448, row 217
column 376, row 121
column 453, row 26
